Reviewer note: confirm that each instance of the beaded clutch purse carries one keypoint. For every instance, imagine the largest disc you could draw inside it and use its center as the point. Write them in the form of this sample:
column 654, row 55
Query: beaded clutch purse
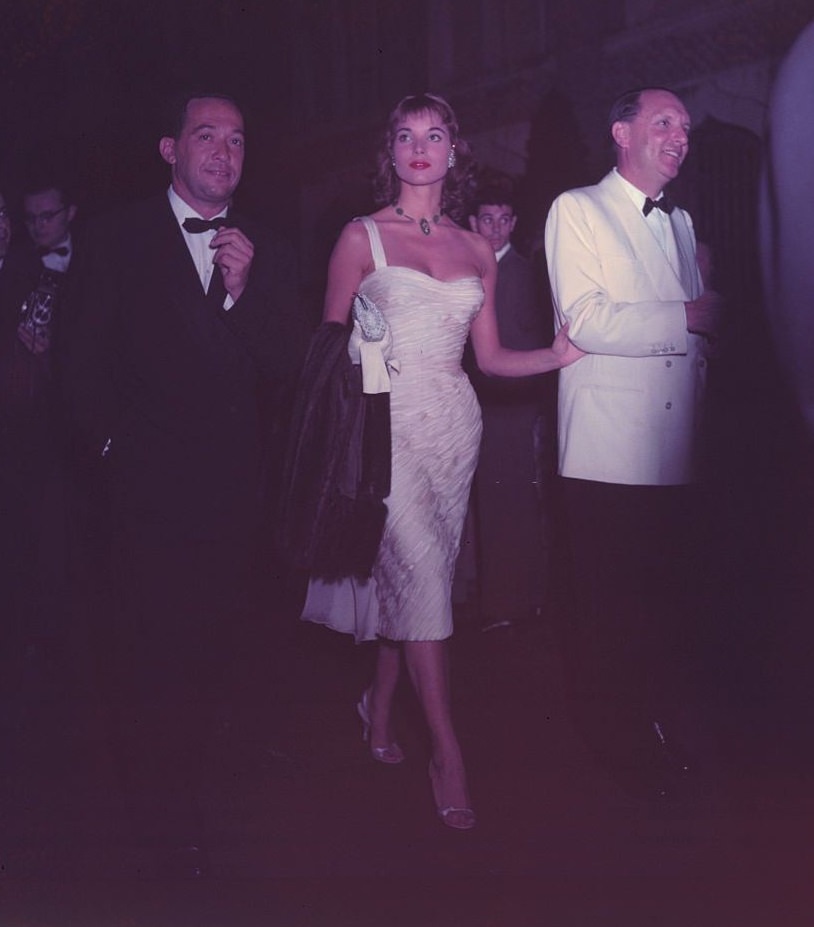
column 372, row 323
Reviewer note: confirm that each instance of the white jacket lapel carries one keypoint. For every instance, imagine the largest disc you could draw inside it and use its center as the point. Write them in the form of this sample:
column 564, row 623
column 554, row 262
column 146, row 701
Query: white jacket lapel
column 668, row 285
column 690, row 279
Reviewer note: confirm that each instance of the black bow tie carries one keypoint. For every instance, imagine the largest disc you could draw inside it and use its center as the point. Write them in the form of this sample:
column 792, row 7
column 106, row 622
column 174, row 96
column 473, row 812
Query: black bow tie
column 195, row 226
column 62, row 251
column 663, row 204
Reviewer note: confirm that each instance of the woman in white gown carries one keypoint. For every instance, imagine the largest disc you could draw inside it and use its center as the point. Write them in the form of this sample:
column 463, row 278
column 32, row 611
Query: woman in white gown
column 434, row 283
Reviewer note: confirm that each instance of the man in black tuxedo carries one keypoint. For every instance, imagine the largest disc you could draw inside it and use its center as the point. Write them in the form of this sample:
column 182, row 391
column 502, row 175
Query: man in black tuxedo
column 49, row 212
column 28, row 459
column 180, row 347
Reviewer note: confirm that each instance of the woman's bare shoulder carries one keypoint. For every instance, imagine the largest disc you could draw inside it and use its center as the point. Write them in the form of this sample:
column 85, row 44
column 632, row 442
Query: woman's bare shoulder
column 353, row 235
column 476, row 246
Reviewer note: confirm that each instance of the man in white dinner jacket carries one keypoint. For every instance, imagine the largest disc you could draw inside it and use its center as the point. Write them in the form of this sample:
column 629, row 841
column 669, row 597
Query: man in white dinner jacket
column 624, row 276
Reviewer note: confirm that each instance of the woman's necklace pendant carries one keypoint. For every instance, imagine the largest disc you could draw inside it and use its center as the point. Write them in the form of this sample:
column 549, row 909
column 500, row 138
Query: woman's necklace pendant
column 423, row 222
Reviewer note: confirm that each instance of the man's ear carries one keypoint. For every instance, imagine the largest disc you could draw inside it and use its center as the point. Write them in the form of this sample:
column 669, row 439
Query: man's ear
column 473, row 223
column 620, row 132
column 166, row 148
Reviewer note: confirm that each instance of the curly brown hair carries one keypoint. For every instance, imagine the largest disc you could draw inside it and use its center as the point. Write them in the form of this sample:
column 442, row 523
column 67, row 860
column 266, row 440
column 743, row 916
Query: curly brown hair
column 458, row 181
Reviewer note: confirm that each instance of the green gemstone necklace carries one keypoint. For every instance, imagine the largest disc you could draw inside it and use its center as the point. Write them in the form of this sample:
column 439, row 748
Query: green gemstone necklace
column 423, row 223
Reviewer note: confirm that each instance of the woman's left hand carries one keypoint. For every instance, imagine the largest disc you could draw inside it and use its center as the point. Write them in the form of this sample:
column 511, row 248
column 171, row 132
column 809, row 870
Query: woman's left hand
column 565, row 349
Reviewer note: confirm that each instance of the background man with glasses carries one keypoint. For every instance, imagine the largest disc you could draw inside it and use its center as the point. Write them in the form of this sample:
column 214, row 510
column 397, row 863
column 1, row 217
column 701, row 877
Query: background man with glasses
column 48, row 213
column 75, row 526
column 29, row 480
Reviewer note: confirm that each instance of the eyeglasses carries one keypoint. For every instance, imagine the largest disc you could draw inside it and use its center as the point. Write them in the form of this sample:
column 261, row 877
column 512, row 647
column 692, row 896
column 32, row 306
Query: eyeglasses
column 32, row 218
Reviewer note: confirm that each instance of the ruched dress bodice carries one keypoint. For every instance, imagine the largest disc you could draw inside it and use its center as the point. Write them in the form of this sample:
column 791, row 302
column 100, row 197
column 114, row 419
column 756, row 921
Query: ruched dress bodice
column 436, row 430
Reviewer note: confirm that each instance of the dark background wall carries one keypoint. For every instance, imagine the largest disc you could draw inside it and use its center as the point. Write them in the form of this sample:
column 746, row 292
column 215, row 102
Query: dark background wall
column 81, row 79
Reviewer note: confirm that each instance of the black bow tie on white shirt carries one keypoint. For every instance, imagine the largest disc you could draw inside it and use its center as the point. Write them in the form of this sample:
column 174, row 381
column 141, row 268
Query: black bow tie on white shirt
column 664, row 204
column 194, row 226
column 61, row 251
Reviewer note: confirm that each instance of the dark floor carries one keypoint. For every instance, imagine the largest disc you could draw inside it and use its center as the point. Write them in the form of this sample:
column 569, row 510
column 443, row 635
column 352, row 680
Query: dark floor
column 306, row 830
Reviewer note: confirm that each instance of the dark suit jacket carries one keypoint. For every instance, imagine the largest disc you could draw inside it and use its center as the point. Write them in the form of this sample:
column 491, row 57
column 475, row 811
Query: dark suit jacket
column 521, row 326
column 25, row 382
column 175, row 387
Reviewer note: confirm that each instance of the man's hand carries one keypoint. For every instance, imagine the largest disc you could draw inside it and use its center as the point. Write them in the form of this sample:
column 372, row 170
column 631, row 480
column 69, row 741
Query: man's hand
column 233, row 254
column 704, row 314
column 37, row 340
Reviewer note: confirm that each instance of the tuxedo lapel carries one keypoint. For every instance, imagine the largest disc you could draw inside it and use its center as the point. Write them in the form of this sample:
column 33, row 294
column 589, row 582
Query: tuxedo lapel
column 180, row 270
column 668, row 284
column 216, row 294
column 182, row 275
column 688, row 267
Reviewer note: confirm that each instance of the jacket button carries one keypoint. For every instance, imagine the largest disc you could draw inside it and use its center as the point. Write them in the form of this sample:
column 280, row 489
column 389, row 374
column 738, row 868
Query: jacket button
column 668, row 364
column 668, row 405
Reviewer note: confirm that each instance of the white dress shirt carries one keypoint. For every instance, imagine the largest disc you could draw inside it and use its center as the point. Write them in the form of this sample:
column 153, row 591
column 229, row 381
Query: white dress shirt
column 199, row 242
column 657, row 221
column 502, row 252
column 59, row 262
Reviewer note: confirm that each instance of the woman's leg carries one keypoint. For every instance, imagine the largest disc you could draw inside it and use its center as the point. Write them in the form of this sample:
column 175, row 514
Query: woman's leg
column 427, row 663
column 380, row 694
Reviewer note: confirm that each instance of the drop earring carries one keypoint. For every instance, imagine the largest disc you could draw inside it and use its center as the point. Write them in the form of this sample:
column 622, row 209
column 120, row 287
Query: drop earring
column 451, row 158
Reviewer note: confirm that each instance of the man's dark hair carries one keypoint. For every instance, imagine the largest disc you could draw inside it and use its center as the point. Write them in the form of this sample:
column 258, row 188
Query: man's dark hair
column 41, row 181
column 494, row 191
column 175, row 109
column 458, row 181
column 627, row 107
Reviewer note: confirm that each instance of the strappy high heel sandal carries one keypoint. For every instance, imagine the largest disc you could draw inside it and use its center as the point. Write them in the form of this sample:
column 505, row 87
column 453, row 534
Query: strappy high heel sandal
column 450, row 815
column 392, row 753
